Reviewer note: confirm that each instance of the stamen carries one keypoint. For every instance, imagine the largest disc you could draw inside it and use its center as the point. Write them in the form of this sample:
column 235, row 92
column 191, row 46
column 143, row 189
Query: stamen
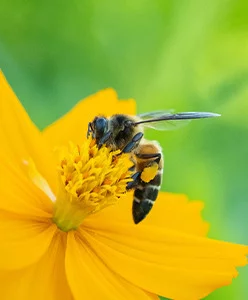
column 90, row 179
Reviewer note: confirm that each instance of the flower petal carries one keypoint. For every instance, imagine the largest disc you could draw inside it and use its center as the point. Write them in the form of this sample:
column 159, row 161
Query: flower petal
column 43, row 280
column 19, row 194
column 163, row 258
column 20, row 141
column 73, row 126
column 23, row 242
column 172, row 211
column 90, row 279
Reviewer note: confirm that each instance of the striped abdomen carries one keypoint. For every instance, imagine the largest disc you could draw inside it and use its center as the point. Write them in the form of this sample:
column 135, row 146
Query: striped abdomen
column 146, row 193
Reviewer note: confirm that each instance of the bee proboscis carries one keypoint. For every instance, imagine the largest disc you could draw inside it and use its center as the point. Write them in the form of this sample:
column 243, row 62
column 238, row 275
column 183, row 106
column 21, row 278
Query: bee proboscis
column 125, row 132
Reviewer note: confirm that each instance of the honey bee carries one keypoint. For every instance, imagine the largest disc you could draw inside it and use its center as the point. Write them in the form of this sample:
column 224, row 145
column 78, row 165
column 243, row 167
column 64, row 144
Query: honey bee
column 126, row 133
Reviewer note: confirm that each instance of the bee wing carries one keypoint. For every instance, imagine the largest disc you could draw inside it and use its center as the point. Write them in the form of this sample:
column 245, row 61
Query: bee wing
column 158, row 125
column 167, row 120
column 167, row 125
column 155, row 114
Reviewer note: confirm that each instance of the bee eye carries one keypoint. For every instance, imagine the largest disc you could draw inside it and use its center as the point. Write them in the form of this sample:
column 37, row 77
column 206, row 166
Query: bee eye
column 101, row 125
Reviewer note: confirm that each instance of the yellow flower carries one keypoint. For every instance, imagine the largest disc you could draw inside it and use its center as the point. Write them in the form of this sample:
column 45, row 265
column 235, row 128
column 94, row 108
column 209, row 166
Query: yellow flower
column 50, row 251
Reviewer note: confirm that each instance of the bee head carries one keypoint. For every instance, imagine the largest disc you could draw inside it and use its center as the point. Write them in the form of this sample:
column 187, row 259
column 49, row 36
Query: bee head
column 98, row 127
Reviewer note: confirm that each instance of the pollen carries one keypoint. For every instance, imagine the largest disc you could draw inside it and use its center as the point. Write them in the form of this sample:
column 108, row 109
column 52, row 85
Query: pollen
column 90, row 179
column 149, row 172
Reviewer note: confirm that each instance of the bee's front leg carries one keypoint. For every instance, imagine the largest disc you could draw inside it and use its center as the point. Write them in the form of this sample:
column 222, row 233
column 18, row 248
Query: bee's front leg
column 104, row 139
column 89, row 131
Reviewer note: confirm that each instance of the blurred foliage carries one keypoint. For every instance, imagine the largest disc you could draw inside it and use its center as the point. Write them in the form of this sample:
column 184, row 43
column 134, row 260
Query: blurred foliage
column 187, row 55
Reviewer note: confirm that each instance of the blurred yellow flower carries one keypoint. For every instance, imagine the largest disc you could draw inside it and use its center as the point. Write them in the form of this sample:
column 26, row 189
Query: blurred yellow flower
column 50, row 251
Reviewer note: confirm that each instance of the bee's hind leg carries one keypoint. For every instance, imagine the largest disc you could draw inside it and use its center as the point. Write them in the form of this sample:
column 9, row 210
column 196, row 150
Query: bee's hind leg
column 127, row 149
column 136, row 181
column 157, row 156
column 134, row 143
column 150, row 170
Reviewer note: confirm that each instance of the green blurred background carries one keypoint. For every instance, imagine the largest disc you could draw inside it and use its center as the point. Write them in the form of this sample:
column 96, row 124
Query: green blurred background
column 187, row 55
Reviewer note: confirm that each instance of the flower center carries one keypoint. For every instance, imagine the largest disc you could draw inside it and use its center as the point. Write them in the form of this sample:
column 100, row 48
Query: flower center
column 90, row 179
